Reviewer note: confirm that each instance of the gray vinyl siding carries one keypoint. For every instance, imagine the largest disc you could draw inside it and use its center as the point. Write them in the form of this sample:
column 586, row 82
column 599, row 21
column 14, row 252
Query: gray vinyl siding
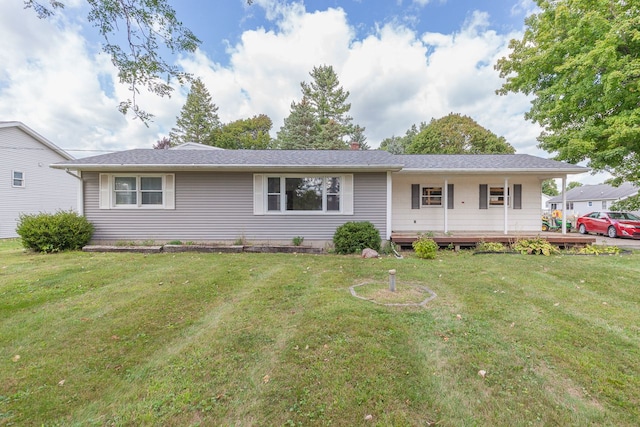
column 45, row 190
column 212, row 206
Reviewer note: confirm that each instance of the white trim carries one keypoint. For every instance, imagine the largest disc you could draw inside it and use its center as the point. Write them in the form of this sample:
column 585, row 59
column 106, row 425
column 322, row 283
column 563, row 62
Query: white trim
column 564, row 205
column 107, row 188
column 22, row 180
column 261, row 194
column 389, row 205
column 259, row 185
column 445, row 204
column 506, row 197
column 80, row 195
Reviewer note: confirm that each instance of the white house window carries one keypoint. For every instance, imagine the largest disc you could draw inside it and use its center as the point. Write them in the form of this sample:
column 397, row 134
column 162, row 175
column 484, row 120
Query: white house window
column 17, row 179
column 303, row 194
column 604, row 204
column 300, row 194
column 497, row 196
column 431, row 196
column 137, row 191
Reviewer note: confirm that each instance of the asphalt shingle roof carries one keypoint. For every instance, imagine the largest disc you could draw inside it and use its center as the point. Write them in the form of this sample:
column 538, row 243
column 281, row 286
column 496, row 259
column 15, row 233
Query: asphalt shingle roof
column 598, row 192
column 315, row 159
column 482, row 162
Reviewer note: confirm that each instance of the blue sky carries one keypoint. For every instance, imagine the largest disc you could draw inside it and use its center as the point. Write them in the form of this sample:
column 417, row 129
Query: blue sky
column 403, row 62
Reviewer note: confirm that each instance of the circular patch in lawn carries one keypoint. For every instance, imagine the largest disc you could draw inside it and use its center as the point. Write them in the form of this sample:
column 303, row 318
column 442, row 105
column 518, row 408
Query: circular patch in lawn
column 405, row 294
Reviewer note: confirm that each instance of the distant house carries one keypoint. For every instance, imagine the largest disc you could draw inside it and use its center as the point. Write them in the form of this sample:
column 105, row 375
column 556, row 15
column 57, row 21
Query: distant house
column 27, row 183
column 588, row 198
column 275, row 195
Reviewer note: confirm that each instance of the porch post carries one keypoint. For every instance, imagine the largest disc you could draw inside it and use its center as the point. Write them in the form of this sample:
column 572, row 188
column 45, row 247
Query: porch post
column 389, row 204
column 506, row 205
column 445, row 205
column 564, row 204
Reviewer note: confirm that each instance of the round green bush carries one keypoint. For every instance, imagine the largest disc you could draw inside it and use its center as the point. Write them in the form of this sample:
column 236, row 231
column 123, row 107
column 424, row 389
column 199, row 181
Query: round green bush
column 45, row 232
column 352, row 237
column 425, row 248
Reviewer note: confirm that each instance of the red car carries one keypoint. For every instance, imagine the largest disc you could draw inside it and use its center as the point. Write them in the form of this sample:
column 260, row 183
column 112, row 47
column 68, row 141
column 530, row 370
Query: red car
column 612, row 224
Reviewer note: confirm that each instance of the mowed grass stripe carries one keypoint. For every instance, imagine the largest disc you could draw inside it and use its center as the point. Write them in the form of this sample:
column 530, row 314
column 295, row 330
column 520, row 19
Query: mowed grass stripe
column 270, row 339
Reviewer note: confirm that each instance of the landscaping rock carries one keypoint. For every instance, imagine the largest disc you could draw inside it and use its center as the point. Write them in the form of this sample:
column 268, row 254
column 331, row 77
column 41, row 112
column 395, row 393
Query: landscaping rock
column 369, row 253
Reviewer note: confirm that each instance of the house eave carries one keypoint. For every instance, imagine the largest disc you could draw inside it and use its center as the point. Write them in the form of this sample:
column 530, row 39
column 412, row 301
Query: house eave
column 224, row 168
column 502, row 171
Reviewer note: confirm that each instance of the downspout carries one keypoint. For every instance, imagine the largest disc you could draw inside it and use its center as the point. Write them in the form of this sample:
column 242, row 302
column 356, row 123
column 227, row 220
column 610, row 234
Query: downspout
column 80, row 196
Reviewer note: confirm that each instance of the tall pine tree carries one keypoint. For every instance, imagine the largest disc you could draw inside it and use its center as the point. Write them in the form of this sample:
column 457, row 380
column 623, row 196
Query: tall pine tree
column 320, row 121
column 300, row 129
column 198, row 118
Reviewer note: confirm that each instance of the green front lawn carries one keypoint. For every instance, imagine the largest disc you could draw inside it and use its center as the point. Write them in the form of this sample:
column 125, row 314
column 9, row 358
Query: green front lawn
column 275, row 339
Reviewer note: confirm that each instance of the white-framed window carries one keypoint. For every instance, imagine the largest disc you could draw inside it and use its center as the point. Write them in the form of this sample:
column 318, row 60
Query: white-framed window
column 431, row 196
column 303, row 194
column 604, row 205
column 17, row 179
column 497, row 196
column 137, row 191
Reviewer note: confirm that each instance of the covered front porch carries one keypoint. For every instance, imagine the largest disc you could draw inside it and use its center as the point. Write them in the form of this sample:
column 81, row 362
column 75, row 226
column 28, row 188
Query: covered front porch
column 464, row 239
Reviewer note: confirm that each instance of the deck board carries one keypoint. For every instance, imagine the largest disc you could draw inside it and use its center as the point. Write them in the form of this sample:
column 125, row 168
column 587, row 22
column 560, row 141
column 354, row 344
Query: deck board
column 460, row 240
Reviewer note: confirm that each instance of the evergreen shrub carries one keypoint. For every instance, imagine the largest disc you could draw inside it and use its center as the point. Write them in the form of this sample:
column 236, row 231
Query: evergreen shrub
column 352, row 237
column 46, row 232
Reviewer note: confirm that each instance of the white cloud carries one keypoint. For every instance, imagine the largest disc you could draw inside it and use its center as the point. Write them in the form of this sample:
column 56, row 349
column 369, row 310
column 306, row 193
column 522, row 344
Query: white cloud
column 51, row 78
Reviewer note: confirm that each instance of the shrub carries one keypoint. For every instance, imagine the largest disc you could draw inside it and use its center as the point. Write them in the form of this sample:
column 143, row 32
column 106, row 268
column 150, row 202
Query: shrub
column 535, row 246
column 352, row 237
column 297, row 241
column 425, row 247
column 61, row 231
column 598, row 250
column 490, row 247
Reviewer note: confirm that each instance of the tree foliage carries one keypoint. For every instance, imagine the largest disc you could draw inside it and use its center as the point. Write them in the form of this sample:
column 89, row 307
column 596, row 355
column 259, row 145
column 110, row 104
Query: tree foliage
column 580, row 59
column 358, row 137
column 457, row 134
column 247, row 134
column 300, row 128
column 320, row 120
column 198, row 118
column 397, row 144
column 573, row 184
column 162, row 144
column 550, row 188
column 148, row 27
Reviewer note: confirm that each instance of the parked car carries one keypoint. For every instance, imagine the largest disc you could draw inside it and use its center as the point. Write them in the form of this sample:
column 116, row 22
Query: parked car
column 612, row 224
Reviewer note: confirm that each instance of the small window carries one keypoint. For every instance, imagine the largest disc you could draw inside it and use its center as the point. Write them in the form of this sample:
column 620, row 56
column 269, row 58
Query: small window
column 497, row 196
column 590, row 203
column 604, row 204
column 136, row 191
column 431, row 196
column 17, row 179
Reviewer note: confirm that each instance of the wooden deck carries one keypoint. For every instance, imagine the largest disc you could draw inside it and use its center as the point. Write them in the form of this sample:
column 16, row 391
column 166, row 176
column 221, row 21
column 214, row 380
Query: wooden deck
column 468, row 239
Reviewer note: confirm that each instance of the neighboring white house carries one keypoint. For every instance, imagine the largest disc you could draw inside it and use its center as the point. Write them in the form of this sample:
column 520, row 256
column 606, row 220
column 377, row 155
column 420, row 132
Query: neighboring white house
column 589, row 198
column 27, row 183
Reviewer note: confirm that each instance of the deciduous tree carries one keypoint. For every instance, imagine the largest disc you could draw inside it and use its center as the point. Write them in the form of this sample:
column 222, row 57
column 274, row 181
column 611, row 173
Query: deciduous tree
column 147, row 27
column 162, row 144
column 247, row 134
column 580, row 61
column 457, row 134
column 550, row 187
